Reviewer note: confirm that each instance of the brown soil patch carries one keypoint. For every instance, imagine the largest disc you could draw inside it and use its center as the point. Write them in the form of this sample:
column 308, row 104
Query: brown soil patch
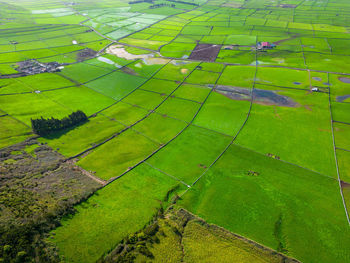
column 308, row 107
column 129, row 71
column 345, row 184
column 275, row 112
column 205, row 52
column 85, row 54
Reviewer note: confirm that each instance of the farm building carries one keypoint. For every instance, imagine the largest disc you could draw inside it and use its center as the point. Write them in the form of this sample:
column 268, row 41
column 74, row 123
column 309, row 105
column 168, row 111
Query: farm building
column 265, row 45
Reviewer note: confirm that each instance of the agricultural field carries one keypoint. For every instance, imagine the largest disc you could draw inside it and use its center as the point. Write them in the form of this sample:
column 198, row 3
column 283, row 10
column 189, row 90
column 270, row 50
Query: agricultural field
column 175, row 131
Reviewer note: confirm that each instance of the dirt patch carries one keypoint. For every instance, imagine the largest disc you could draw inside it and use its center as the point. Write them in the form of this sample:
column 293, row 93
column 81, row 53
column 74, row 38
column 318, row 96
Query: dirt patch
column 344, row 184
column 276, row 113
column 265, row 97
column 85, row 54
column 344, row 80
column 342, row 98
column 308, row 107
column 205, row 52
column 129, row 71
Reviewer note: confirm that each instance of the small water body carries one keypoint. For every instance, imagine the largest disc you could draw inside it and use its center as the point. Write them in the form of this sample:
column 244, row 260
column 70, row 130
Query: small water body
column 342, row 98
column 267, row 97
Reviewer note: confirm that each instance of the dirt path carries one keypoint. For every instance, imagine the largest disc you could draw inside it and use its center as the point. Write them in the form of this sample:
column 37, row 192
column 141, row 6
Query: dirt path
column 87, row 173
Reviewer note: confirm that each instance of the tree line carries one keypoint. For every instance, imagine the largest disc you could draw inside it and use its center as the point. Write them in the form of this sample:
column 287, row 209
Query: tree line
column 45, row 126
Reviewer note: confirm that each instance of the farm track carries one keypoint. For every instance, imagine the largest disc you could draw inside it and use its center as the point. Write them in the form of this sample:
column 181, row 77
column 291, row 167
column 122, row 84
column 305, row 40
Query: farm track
column 336, row 159
column 342, row 149
column 87, row 173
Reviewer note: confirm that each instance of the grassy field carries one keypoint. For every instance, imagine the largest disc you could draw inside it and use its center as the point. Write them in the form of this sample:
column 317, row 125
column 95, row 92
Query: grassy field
column 240, row 107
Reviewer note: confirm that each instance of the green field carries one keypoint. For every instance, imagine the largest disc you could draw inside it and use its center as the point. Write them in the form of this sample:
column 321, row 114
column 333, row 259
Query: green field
column 237, row 111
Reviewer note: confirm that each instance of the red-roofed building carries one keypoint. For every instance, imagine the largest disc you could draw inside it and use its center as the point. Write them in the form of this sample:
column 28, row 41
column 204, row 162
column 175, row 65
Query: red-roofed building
column 265, row 45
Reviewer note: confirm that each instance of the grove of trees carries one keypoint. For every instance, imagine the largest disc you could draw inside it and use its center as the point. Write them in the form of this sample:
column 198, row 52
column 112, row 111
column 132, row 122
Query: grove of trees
column 45, row 126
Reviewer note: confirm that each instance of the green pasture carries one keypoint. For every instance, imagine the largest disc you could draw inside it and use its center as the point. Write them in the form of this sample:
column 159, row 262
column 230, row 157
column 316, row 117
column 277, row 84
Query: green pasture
column 12, row 131
column 237, row 76
column 124, row 113
column 117, row 155
column 74, row 141
column 300, row 134
column 179, row 108
column 223, row 114
column 116, row 85
column 111, row 214
column 290, row 209
column 188, row 155
column 275, row 184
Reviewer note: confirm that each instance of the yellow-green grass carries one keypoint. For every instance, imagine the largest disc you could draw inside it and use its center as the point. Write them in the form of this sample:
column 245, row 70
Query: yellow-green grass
column 242, row 40
column 327, row 62
column 80, row 138
column 116, row 85
column 243, row 57
column 215, row 67
column 125, row 113
column 160, row 128
column 177, row 50
column 339, row 88
column 176, row 70
column 300, row 135
column 160, row 86
column 192, row 92
column 223, row 114
column 340, row 111
column 284, row 207
column 26, row 106
column 179, row 108
column 79, row 98
column 237, row 76
column 112, row 213
column 118, row 155
column 204, row 244
column 342, row 135
column 189, row 154
column 12, row 131
column 45, row 81
column 283, row 77
column 202, row 77
column 281, row 58
column 10, row 86
column 77, row 72
column 144, row 70
column 145, row 99
column 343, row 158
